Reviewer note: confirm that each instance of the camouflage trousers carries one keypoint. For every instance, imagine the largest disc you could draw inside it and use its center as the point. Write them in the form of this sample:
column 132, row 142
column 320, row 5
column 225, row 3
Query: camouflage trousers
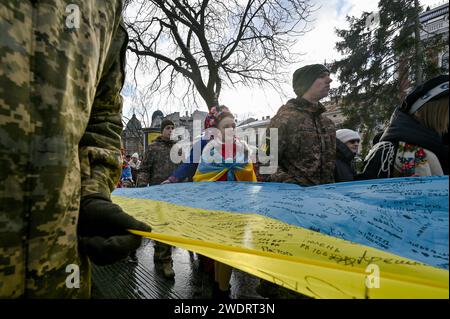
column 163, row 253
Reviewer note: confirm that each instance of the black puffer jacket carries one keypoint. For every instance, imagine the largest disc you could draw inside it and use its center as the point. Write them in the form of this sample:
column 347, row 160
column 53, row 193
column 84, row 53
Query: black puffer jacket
column 344, row 170
column 403, row 127
column 407, row 129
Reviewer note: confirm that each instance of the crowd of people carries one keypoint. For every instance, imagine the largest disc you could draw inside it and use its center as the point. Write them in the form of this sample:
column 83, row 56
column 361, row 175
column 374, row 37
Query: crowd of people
column 310, row 152
column 60, row 149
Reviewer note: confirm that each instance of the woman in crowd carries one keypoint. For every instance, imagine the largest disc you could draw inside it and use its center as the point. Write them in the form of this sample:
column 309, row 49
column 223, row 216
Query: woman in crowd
column 347, row 146
column 224, row 157
column 412, row 144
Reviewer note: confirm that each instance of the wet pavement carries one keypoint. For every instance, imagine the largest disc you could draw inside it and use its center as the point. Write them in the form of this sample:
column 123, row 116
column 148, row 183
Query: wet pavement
column 140, row 278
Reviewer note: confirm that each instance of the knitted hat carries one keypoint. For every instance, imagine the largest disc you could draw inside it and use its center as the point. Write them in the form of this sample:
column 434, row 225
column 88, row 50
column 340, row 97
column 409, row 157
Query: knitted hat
column 164, row 123
column 304, row 77
column 346, row 135
column 215, row 115
column 422, row 94
column 135, row 155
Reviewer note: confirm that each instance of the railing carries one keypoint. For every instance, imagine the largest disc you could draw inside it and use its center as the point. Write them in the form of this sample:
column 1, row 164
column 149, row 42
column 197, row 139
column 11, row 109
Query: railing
column 437, row 27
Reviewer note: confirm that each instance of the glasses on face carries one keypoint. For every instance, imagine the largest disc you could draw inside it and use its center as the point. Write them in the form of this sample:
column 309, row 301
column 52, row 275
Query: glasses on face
column 353, row 141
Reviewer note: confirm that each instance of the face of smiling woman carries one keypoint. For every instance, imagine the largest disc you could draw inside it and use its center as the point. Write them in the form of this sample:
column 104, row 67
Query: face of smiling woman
column 353, row 145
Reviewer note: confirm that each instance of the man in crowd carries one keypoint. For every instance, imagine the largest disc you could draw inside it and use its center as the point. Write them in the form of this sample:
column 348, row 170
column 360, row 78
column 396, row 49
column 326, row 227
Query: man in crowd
column 306, row 142
column 156, row 168
column 307, row 139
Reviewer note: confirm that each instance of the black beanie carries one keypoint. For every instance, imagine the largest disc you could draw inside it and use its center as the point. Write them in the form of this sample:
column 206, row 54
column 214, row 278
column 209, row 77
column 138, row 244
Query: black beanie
column 304, row 77
column 430, row 90
column 164, row 123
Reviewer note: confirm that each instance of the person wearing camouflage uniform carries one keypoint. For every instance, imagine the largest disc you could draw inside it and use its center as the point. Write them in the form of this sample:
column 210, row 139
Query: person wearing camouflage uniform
column 60, row 125
column 306, row 138
column 156, row 168
column 306, row 143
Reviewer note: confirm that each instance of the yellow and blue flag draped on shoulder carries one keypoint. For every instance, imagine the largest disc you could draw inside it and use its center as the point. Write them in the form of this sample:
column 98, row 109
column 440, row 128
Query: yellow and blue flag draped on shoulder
column 211, row 172
column 368, row 239
column 214, row 168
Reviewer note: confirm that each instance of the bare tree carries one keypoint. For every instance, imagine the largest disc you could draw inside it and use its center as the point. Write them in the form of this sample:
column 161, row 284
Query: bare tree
column 198, row 46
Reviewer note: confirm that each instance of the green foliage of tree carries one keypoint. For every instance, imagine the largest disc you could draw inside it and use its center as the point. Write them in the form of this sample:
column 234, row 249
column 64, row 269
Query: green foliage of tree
column 381, row 63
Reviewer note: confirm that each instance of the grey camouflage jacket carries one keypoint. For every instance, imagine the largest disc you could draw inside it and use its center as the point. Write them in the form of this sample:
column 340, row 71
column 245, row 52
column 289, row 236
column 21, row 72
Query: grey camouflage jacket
column 60, row 125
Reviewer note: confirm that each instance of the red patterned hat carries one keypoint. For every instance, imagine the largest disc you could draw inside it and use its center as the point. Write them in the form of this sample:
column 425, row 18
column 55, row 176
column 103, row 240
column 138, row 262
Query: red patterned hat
column 215, row 115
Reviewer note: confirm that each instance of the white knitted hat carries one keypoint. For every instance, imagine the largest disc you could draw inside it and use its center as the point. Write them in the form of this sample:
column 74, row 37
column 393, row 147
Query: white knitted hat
column 346, row 135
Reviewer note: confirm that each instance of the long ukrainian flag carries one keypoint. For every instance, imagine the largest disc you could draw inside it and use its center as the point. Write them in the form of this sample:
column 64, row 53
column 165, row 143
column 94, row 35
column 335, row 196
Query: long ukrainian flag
column 368, row 239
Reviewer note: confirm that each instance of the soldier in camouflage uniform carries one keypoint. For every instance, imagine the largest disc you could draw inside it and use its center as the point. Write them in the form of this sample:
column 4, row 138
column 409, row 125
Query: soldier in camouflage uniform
column 60, row 125
column 306, row 138
column 156, row 168
column 306, row 143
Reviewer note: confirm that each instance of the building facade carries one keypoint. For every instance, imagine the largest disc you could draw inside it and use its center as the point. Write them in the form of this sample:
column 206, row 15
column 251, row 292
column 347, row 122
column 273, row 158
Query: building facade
column 136, row 139
column 435, row 22
column 132, row 137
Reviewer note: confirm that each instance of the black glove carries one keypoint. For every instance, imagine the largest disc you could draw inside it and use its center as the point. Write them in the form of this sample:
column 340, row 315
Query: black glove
column 102, row 230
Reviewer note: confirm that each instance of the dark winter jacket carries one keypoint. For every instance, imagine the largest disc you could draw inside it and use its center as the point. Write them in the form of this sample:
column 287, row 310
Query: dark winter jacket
column 344, row 170
column 306, row 144
column 405, row 128
column 402, row 128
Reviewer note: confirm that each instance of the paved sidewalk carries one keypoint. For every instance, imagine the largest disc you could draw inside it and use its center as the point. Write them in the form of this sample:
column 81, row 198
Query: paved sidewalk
column 141, row 279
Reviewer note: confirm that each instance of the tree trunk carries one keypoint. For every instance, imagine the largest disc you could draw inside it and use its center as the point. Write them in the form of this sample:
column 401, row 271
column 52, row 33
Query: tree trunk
column 210, row 99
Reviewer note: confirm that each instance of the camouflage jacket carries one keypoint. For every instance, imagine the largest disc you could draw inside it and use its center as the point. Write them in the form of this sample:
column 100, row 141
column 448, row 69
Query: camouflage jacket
column 156, row 166
column 61, row 71
column 306, row 144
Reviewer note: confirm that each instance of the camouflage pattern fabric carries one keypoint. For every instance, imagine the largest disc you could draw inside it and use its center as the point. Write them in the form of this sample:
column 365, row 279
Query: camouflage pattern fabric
column 60, row 125
column 155, row 168
column 157, row 165
column 306, row 144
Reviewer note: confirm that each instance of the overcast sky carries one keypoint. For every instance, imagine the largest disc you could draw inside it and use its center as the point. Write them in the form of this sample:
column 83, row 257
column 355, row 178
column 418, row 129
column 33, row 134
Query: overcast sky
column 318, row 46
